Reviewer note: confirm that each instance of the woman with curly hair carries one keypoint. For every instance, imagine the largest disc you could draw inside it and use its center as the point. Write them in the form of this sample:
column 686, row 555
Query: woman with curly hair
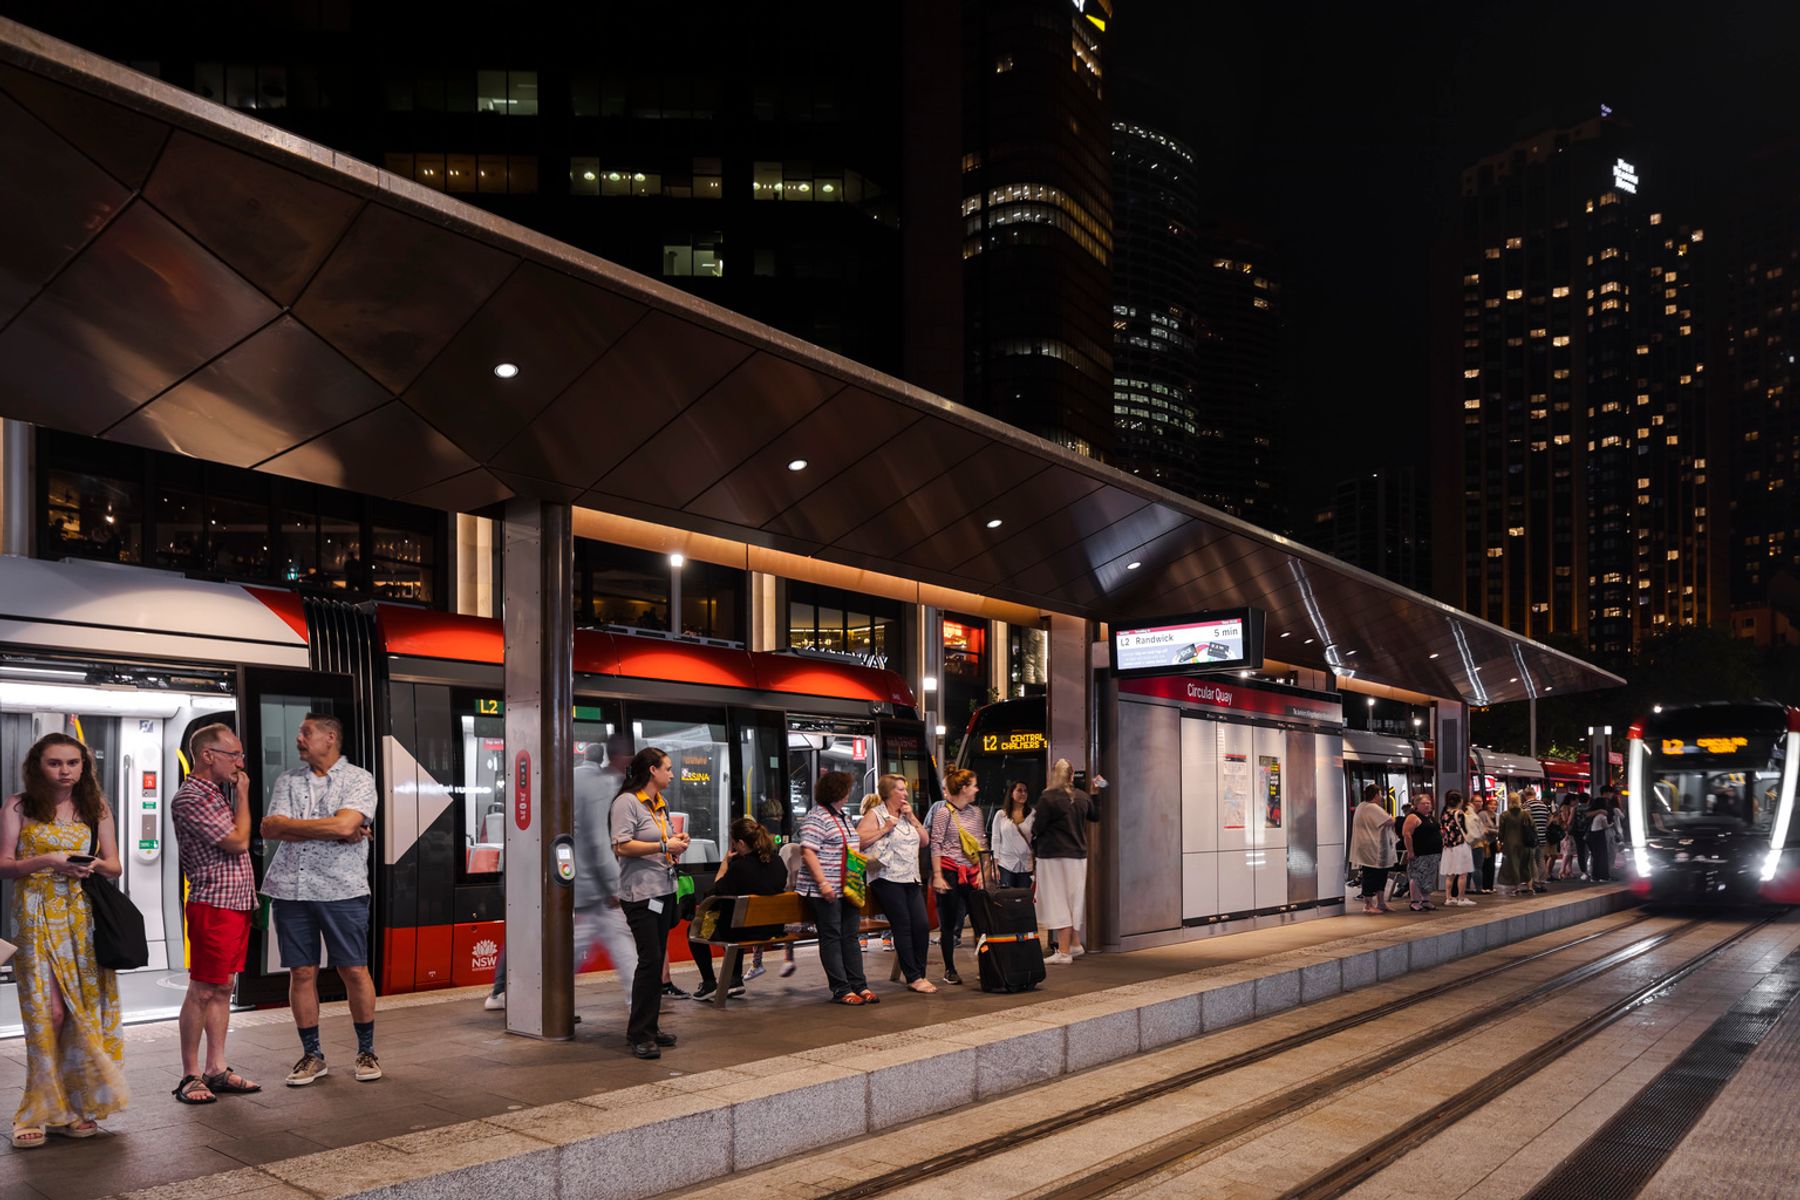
column 56, row 832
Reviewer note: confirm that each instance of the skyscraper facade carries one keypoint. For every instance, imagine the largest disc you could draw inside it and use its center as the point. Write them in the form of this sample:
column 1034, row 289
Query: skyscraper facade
column 1574, row 489
column 1380, row 521
column 1762, row 279
column 1243, row 375
column 1037, row 211
column 1155, row 329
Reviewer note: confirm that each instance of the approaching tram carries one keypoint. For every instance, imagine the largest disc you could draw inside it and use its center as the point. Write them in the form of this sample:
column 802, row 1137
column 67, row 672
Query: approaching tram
column 1711, row 803
column 133, row 660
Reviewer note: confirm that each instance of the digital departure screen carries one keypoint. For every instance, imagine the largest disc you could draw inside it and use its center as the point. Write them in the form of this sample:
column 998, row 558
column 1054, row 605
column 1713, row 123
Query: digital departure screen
column 1214, row 641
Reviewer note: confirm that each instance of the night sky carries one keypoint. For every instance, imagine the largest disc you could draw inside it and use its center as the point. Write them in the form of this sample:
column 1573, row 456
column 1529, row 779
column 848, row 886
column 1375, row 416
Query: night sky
column 1339, row 131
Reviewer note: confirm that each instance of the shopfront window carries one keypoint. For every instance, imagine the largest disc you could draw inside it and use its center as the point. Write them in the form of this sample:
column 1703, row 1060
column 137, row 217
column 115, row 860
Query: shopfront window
column 1027, row 661
column 965, row 683
column 823, row 618
column 122, row 504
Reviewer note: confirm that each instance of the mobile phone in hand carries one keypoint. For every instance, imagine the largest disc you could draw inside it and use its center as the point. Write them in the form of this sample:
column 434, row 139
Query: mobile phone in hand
column 81, row 860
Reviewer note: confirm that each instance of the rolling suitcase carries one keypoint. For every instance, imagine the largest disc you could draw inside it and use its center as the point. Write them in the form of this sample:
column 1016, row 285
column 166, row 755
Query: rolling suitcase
column 998, row 911
column 1010, row 962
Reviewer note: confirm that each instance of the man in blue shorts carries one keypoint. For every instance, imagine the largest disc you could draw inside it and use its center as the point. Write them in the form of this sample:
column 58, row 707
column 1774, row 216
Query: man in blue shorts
column 323, row 815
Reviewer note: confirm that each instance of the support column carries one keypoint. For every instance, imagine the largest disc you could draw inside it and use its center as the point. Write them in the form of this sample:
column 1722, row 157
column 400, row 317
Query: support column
column 16, row 488
column 538, row 612
column 1450, row 731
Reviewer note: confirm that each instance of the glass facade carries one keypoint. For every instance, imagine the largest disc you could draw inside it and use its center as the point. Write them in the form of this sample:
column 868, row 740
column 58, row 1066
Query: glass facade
column 825, row 618
column 965, row 682
column 625, row 586
column 99, row 500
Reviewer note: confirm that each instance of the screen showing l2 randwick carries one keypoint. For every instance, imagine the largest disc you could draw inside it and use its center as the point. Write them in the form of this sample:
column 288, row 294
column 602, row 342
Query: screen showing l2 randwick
column 1174, row 647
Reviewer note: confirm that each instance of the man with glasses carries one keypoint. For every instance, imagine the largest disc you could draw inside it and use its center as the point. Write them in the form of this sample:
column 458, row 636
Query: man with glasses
column 211, row 813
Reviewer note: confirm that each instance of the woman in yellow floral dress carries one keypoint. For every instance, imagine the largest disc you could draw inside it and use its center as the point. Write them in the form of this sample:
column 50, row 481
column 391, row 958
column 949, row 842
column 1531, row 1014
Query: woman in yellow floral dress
column 70, row 1004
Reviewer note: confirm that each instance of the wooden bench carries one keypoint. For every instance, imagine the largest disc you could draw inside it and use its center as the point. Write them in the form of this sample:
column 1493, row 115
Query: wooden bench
column 722, row 917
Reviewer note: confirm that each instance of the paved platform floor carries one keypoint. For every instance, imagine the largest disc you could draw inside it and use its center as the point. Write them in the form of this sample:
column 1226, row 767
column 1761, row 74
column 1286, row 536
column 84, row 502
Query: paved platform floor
column 447, row 1060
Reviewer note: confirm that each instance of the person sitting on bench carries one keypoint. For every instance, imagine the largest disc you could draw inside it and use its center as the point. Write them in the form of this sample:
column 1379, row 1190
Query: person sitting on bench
column 751, row 868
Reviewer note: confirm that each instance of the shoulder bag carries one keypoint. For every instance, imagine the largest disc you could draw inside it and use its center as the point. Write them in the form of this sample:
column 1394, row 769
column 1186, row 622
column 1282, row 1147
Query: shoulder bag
column 119, row 943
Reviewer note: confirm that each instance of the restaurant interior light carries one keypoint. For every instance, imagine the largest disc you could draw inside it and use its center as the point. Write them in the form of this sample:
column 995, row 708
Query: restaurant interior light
column 506, row 370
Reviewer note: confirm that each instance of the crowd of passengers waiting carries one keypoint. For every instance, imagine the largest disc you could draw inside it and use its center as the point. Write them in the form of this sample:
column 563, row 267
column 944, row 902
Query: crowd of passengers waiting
column 1477, row 847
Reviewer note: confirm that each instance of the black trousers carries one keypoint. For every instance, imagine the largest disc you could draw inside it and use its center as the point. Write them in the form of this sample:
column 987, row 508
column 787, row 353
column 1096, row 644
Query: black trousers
column 904, row 905
column 840, row 953
column 1599, row 855
column 953, row 906
column 650, row 932
column 1373, row 880
column 703, row 959
column 1489, row 861
column 1582, row 852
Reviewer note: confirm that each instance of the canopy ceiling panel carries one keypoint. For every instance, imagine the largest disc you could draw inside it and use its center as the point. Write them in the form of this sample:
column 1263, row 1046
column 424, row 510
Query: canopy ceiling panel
column 183, row 277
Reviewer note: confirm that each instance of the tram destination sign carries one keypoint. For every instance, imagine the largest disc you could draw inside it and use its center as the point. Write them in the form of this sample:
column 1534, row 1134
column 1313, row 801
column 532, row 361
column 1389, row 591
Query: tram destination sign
column 1189, row 645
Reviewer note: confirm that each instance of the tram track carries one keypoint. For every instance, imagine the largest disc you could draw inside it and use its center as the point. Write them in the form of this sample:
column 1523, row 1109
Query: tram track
column 972, row 1153
column 1366, row 1163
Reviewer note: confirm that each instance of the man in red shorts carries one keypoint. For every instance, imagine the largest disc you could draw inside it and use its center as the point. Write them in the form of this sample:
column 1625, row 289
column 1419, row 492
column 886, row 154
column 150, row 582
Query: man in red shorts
column 211, row 813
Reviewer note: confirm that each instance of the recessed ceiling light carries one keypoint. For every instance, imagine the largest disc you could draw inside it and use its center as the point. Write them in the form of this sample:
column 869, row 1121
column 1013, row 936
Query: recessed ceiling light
column 1132, row 566
column 505, row 370
column 796, row 464
column 1514, row 679
column 1288, row 634
column 1307, row 642
column 1349, row 654
column 996, row 523
column 1434, row 654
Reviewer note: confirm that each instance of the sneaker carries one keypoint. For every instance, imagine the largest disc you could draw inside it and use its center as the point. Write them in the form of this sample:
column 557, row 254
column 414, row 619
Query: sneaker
column 703, row 992
column 887, row 943
column 368, row 1067
column 1059, row 959
column 788, row 968
column 735, row 992
column 753, row 972
column 952, row 977
column 495, row 1002
column 1077, row 951
column 309, row 1068
column 670, row 989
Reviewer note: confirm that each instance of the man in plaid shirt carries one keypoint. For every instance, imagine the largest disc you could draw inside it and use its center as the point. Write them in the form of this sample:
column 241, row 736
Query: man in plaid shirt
column 211, row 813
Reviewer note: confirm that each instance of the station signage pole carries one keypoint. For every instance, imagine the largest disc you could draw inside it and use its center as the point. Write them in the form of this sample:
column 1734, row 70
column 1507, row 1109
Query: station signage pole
column 539, row 620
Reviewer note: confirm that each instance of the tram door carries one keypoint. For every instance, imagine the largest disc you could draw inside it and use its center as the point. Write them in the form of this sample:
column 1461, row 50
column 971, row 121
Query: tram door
column 905, row 750
column 272, row 702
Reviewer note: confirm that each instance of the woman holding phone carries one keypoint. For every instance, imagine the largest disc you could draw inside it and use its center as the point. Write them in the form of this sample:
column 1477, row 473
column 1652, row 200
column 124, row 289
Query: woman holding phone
column 56, row 832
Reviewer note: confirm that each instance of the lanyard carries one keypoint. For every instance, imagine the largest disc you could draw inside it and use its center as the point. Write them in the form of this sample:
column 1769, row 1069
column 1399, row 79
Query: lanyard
column 662, row 826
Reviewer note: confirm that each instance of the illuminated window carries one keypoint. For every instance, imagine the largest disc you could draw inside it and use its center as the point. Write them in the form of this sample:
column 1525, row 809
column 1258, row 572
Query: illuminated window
column 1561, row 340
column 1495, row 552
column 1513, row 243
column 1610, row 252
column 1472, row 373
column 1492, row 252
column 1656, row 218
column 1471, row 404
column 1514, row 293
column 1560, row 291
column 1699, row 235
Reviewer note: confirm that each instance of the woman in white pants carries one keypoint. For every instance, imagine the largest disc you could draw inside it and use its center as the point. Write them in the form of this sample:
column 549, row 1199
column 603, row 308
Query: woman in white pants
column 1059, row 844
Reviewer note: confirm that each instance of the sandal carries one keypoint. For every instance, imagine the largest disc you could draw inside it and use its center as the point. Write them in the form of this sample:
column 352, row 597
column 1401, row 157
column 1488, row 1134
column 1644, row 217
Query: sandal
column 229, row 1082
column 83, row 1128
column 850, row 998
column 184, row 1091
column 28, row 1137
column 869, row 997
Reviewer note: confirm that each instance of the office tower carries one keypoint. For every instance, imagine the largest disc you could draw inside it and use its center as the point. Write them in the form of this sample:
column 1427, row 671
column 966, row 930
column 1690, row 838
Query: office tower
column 1762, row 280
column 1380, row 521
column 1577, row 473
column 1243, row 373
column 1037, row 210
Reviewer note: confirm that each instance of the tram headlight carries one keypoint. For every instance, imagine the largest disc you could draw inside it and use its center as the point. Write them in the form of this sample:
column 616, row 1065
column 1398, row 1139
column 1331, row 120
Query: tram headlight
column 1643, row 860
column 1771, row 861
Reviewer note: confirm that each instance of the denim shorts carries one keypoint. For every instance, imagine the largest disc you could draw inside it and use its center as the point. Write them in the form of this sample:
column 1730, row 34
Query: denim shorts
column 342, row 925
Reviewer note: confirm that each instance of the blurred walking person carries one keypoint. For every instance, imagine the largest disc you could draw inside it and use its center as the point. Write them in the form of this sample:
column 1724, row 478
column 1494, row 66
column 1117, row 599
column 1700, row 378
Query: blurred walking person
column 1372, row 849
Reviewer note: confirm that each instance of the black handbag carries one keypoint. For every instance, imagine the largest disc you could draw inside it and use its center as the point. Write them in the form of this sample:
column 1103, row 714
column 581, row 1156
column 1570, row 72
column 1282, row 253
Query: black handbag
column 119, row 943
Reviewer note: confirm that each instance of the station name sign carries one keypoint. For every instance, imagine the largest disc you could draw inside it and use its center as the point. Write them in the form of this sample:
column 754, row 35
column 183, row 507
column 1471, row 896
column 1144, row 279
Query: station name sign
column 1235, row 698
column 1189, row 645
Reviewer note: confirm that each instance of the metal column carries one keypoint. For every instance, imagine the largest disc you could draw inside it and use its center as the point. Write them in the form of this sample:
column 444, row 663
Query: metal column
column 1450, row 731
column 17, row 488
column 539, row 619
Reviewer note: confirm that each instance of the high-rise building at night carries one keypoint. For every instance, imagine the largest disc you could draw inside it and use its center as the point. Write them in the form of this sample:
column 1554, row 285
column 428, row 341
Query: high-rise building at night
column 1156, row 366
column 1762, row 279
column 769, row 180
column 1380, row 521
column 1197, row 361
column 1574, row 490
column 1037, row 211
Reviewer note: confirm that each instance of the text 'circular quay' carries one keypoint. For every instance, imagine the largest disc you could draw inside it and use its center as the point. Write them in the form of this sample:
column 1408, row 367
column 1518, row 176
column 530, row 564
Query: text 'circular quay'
column 1014, row 598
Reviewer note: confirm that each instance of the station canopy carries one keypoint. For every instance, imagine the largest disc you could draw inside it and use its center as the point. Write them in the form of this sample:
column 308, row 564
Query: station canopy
column 181, row 276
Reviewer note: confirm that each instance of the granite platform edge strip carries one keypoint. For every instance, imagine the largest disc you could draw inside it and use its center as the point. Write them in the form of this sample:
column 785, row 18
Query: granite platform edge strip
column 617, row 1143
